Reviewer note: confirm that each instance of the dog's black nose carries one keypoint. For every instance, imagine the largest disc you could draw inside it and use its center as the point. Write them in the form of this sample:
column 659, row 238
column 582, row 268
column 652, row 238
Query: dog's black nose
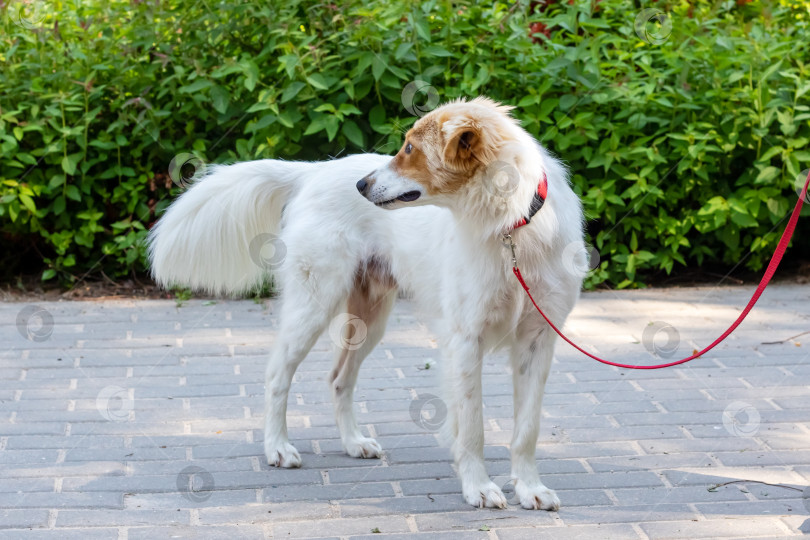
column 362, row 185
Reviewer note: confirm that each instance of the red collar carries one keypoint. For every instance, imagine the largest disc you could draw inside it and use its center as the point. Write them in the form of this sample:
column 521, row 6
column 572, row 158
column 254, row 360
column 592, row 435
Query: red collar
column 537, row 202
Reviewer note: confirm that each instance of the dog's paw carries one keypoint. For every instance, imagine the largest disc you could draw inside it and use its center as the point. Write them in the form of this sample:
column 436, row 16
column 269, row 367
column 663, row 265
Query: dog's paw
column 536, row 497
column 282, row 455
column 364, row 448
column 486, row 495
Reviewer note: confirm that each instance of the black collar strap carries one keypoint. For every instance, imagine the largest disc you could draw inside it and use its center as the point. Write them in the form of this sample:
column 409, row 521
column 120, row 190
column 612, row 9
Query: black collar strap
column 537, row 202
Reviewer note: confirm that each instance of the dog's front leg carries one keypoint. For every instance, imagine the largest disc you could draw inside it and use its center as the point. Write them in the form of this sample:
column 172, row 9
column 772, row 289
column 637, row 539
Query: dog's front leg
column 531, row 362
column 467, row 424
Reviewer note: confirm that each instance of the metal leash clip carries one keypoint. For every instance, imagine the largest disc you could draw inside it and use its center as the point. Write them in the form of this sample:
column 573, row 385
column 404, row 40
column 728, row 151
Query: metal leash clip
column 507, row 241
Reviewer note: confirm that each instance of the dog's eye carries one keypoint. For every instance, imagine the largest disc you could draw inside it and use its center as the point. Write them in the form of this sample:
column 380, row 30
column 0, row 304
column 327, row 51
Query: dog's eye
column 408, row 148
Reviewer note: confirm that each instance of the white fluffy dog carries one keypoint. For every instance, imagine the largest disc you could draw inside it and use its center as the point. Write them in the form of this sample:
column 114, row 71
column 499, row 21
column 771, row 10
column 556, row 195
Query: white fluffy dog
column 349, row 232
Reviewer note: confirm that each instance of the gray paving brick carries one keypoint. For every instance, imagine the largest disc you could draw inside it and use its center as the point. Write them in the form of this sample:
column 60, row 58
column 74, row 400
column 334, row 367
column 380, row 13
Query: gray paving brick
column 248, row 532
column 161, row 501
column 377, row 472
column 106, row 533
column 340, row 527
column 402, row 505
column 626, row 514
column 447, row 535
column 35, row 499
column 268, row 513
column 475, row 519
column 331, row 492
column 129, row 518
column 714, row 528
column 21, row 519
column 601, row 531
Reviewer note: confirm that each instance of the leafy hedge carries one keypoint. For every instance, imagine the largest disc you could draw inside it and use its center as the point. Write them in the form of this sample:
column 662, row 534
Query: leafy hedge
column 684, row 148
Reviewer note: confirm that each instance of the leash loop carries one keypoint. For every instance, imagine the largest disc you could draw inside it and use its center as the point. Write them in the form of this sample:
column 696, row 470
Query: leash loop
column 766, row 278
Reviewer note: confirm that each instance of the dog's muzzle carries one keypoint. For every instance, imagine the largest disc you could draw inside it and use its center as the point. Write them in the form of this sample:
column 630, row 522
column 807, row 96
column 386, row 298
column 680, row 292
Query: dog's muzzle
column 371, row 190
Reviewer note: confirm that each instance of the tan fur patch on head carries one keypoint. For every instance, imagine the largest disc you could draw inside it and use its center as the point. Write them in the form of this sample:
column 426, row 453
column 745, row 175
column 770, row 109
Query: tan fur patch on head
column 448, row 145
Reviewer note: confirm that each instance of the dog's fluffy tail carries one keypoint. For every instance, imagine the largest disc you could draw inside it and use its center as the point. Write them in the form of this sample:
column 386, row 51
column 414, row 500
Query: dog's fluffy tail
column 212, row 237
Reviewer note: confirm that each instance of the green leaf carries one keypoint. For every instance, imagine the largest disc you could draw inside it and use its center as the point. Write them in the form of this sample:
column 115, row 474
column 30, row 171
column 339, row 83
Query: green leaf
column 353, row 133
column 317, row 80
column 291, row 91
column 220, row 99
column 59, row 205
column 766, row 175
column 28, row 202
column 196, row 86
column 435, row 50
column 377, row 67
column 70, row 162
column 49, row 273
column 72, row 192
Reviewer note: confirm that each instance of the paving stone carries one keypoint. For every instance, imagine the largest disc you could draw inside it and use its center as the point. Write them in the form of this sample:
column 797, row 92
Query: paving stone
column 714, row 528
column 601, row 531
column 20, row 519
column 246, row 532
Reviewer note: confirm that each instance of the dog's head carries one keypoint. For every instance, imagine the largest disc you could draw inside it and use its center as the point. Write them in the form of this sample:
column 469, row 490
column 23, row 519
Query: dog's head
column 441, row 154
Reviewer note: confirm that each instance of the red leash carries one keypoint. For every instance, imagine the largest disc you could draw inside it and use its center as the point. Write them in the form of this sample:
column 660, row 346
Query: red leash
column 772, row 266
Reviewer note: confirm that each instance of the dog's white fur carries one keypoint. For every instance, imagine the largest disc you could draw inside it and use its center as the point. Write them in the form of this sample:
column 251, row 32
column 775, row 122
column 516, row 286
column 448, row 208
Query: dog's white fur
column 445, row 248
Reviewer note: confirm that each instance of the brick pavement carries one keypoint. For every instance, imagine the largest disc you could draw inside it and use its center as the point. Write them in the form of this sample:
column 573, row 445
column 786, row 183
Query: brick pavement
column 139, row 419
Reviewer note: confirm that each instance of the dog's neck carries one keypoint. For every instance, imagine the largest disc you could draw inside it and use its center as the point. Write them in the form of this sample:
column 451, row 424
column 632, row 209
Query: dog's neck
column 487, row 212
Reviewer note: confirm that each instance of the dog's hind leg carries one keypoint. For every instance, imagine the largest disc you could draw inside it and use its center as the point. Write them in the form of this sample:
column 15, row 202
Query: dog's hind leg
column 530, row 358
column 305, row 313
column 368, row 306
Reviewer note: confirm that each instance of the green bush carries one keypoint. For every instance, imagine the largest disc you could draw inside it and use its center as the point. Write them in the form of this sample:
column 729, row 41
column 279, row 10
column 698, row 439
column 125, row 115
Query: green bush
column 683, row 151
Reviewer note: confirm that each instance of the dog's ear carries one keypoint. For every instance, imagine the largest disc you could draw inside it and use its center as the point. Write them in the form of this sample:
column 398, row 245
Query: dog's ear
column 467, row 144
column 461, row 145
